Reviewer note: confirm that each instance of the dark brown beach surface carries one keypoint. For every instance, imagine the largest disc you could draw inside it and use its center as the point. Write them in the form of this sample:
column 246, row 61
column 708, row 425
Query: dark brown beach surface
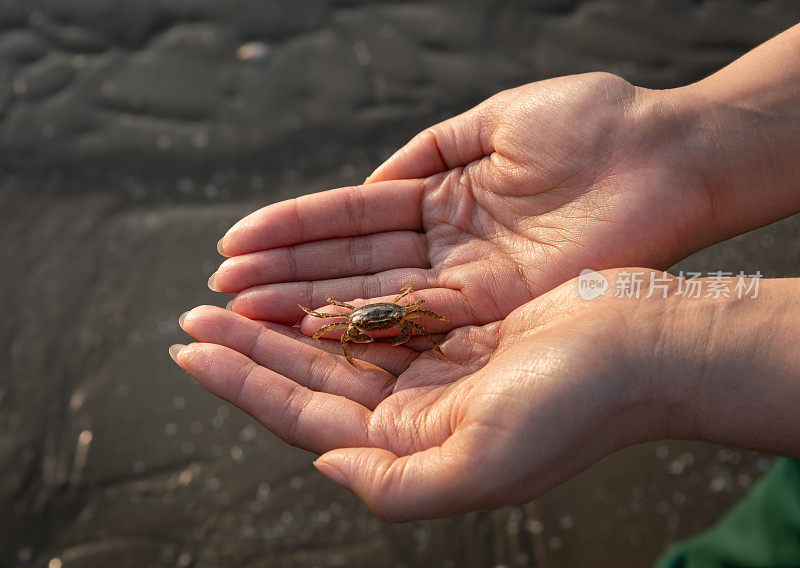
column 133, row 136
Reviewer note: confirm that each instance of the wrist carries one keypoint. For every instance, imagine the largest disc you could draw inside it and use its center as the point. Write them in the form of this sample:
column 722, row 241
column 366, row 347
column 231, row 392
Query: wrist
column 676, row 152
column 645, row 358
column 729, row 370
column 739, row 147
column 656, row 356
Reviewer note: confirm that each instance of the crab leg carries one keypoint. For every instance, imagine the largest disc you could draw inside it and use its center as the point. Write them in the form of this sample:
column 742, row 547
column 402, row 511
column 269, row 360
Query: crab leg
column 427, row 335
column 404, row 291
column 346, row 349
column 326, row 328
column 321, row 315
column 413, row 304
column 339, row 303
column 422, row 313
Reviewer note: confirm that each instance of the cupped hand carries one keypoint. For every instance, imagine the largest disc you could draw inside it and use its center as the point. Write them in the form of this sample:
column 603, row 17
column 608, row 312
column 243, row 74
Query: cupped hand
column 487, row 210
column 517, row 407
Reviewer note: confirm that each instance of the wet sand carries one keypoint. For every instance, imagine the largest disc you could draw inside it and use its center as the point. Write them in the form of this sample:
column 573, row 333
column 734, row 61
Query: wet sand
column 133, row 137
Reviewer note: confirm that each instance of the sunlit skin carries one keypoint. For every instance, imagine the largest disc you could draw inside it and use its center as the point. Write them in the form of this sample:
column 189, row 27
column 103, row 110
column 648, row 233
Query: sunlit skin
column 519, row 405
column 486, row 214
column 505, row 217
column 506, row 396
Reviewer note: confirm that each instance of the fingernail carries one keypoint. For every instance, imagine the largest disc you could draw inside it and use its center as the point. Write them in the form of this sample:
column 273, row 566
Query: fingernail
column 220, row 250
column 229, row 306
column 332, row 473
column 175, row 350
column 211, row 282
column 182, row 318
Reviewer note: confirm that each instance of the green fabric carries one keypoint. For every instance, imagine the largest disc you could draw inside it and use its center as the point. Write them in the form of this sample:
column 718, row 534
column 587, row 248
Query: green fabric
column 762, row 531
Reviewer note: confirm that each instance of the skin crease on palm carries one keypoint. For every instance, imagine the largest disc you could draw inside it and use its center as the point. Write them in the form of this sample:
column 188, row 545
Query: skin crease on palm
column 487, row 214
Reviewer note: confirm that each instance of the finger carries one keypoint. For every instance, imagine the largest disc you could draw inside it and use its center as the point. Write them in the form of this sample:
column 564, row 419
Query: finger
column 278, row 302
column 437, row 482
column 333, row 258
column 393, row 359
column 342, row 212
column 314, row 421
column 330, row 342
column 416, row 343
column 437, row 297
column 455, row 142
column 309, row 366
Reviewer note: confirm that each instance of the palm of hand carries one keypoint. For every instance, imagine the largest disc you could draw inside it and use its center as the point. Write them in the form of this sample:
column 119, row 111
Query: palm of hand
column 470, row 431
column 526, row 214
column 498, row 206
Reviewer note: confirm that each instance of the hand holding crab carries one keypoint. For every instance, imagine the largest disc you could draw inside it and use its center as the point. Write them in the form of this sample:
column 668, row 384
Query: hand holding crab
column 417, row 436
column 486, row 214
column 377, row 317
column 481, row 212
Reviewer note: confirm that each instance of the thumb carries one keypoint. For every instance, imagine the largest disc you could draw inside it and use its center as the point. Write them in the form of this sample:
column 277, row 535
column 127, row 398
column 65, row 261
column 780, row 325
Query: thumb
column 436, row 482
column 455, row 142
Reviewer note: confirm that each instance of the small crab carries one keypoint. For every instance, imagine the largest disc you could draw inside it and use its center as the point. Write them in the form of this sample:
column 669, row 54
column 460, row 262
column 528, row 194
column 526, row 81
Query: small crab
column 377, row 317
